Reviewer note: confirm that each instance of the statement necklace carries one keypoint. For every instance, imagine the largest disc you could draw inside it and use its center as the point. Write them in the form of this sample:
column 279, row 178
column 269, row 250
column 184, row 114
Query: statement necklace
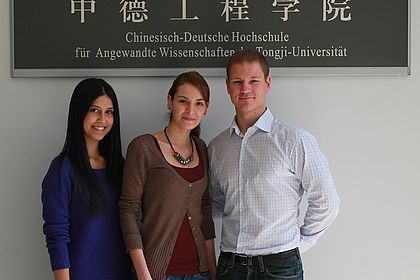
column 177, row 156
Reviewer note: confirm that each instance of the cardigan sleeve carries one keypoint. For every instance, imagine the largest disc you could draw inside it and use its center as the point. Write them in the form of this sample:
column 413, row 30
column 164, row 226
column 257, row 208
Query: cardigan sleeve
column 134, row 178
column 207, row 226
column 55, row 197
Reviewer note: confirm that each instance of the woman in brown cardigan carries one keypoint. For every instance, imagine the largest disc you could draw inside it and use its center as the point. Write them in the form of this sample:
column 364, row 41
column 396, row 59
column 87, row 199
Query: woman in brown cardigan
column 165, row 208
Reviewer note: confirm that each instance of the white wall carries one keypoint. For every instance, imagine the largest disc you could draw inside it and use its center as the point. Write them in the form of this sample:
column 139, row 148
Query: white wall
column 367, row 126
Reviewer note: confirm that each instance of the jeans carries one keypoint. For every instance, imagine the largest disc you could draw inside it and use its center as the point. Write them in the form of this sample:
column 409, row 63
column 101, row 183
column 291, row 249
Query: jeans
column 200, row 276
column 288, row 269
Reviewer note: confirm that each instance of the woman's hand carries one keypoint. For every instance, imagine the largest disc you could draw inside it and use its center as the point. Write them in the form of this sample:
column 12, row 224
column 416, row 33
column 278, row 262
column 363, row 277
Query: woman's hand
column 62, row 274
column 140, row 265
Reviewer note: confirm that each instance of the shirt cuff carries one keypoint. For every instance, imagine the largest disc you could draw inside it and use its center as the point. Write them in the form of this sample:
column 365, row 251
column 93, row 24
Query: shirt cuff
column 305, row 244
column 133, row 241
column 59, row 258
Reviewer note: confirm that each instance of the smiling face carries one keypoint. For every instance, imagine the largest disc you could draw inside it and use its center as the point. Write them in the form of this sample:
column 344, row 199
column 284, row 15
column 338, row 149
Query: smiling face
column 187, row 106
column 248, row 87
column 99, row 119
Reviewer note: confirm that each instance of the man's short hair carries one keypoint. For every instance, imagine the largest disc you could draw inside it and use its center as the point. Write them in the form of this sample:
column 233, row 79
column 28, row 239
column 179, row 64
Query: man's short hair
column 248, row 56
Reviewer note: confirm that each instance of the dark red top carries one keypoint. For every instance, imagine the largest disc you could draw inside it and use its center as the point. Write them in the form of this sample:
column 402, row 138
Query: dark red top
column 184, row 258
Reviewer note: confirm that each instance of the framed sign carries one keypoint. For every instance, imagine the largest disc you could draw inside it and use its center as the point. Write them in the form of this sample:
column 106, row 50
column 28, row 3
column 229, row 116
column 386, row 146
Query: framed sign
column 165, row 37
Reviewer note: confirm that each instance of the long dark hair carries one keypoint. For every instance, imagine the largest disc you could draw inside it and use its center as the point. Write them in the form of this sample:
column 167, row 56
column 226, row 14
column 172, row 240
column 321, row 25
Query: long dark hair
column 87, row 91
column 195, row 79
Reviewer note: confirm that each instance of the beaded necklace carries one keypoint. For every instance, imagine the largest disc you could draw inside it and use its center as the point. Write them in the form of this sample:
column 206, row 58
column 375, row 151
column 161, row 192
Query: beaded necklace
column 177, row 156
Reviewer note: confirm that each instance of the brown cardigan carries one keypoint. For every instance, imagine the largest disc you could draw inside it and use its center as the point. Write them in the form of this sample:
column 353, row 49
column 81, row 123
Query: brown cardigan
column 151, row 184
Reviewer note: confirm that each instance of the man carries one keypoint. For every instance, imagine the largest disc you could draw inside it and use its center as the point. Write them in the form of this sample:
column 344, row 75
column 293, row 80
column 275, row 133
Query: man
column 260, row 168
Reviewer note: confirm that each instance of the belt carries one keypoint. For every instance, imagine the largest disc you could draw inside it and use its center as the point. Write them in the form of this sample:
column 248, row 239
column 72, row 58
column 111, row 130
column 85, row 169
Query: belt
column 279, row 259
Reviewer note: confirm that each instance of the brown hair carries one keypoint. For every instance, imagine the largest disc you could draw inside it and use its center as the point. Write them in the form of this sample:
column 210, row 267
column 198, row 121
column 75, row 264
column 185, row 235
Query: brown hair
column 248, row 56
column 195, row 79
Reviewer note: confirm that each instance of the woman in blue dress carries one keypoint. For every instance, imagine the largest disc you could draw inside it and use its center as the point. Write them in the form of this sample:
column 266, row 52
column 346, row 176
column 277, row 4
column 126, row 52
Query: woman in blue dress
column 81, row 189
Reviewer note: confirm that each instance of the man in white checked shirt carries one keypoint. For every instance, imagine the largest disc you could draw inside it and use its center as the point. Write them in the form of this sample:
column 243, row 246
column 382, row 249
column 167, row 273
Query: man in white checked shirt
column 260, row 167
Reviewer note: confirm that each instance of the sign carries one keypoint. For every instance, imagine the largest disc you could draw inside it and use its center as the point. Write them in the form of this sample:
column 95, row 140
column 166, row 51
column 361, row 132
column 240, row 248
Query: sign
column 166, row 37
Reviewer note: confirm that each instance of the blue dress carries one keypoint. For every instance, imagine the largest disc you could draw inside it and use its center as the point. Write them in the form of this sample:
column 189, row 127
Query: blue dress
column 90, row 246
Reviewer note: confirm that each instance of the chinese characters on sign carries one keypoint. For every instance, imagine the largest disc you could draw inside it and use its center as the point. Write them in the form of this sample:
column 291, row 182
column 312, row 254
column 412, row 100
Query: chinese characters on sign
column 184, row 13
column 285, row 7
column 233, row 10
column 82, row 6
column 134, row 11
column 334, row 8
column 161, row 37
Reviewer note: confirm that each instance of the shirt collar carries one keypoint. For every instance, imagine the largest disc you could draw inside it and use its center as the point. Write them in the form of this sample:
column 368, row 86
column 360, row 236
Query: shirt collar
column 264, row 123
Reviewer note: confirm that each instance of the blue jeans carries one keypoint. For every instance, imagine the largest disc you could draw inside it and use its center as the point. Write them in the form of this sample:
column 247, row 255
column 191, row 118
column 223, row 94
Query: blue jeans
column 289, row 268
column 200, row 276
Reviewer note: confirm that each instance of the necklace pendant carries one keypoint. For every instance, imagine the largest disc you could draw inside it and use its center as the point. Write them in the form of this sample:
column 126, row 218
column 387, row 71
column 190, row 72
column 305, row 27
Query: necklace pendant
column 182, row 160
column 177, row 155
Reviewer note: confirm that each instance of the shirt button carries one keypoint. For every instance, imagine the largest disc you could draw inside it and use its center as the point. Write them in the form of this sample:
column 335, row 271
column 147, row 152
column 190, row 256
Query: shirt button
column 190, row 185
column 189, row 218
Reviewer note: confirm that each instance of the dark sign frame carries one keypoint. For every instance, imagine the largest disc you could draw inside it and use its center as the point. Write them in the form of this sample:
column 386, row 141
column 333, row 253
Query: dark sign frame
column 78, row 38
